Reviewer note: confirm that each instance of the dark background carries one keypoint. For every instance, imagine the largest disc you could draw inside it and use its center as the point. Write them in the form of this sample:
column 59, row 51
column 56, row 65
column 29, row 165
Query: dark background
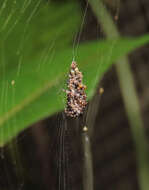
column 114, row 158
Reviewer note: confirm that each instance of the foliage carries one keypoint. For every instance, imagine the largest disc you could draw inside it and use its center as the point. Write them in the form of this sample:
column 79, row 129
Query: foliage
column 35, row 56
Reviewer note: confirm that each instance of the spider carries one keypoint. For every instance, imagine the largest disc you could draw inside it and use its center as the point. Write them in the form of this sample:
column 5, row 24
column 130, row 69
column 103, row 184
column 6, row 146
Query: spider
column 76, row 97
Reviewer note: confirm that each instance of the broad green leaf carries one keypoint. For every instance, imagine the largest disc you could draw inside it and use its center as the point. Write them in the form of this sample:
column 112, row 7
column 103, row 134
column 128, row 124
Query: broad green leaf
column 37, row 92
column 31, row 29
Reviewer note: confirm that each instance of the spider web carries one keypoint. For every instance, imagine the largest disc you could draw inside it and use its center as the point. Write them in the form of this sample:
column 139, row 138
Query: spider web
column 13, row 13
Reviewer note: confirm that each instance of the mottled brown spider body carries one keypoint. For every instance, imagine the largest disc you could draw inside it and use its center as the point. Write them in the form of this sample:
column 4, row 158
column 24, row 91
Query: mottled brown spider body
column 76, row 97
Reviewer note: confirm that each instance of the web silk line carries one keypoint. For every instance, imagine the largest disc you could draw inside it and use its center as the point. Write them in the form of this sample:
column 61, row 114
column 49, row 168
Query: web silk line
column 77, row 37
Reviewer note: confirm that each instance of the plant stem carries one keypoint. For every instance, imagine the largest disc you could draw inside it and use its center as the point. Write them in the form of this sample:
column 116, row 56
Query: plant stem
column 88, row 170
column 129, row 94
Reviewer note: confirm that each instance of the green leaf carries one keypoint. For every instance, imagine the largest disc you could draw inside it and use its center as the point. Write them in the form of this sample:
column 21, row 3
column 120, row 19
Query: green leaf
column 31, row 29
column 35, row 56
column 36, row 95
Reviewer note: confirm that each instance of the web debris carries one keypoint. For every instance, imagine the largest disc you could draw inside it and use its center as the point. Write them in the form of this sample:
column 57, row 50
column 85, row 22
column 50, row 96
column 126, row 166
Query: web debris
column 76, row 97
